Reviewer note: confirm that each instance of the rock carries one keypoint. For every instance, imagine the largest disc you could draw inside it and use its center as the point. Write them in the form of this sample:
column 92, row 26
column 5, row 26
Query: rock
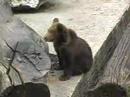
column 27, row 90
column 5, row 11
column 108, row 90
column 4, row 82
column 54, row 61
column 0, row 81
column 31, row 59
column 26, row 4
column 31, row 56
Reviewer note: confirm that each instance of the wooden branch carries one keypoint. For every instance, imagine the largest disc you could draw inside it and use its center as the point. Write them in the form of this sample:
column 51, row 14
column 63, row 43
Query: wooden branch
column 12, row 58
column 11, row 66
column 22, row 82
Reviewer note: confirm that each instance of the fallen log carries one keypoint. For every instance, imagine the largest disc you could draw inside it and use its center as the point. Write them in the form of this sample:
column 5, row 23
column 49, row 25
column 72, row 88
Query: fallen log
column 110, row 62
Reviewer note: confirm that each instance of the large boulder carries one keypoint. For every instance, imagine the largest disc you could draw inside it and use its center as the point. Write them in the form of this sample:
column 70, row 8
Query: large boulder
column 27, row 90
column 5, row 11
column 31, row 54
column 26, row 4
column 31, row 57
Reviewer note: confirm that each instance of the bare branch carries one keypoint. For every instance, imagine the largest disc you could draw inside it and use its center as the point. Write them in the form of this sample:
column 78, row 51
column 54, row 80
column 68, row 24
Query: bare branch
column 13, row 56
column 11, row 66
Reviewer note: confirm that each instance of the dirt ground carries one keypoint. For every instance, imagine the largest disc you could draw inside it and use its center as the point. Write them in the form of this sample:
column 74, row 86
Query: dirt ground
column 93, row 20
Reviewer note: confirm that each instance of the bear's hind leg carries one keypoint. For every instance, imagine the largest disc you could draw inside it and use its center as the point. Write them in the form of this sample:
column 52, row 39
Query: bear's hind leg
column 67, row 73
column 68, row 60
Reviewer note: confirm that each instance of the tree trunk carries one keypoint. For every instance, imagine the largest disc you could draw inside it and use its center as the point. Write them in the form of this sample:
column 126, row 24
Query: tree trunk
column 108, row 62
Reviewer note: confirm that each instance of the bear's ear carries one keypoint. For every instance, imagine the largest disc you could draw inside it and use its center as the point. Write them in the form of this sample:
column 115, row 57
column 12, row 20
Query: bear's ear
column 61, row 27
column 55, row 20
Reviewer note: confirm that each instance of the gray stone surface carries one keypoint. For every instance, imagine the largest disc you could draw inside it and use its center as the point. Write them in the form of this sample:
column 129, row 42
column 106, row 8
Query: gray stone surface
column 31, row 59
column 27, row 4
column 5, row 11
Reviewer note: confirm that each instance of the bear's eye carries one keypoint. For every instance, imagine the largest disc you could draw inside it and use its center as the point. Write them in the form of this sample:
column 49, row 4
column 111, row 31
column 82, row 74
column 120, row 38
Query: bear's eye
column 51, row 31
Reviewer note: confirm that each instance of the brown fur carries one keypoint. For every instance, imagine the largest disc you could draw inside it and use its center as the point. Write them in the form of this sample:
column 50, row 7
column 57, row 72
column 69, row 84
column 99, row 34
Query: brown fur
column 75, row 56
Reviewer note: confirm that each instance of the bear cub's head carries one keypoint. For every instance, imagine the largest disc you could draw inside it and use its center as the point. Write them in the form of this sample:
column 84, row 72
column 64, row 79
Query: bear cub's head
column 58, row 32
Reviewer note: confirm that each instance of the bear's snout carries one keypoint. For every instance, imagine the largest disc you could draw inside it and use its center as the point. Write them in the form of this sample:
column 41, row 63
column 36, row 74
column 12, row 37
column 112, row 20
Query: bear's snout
column 48, row 37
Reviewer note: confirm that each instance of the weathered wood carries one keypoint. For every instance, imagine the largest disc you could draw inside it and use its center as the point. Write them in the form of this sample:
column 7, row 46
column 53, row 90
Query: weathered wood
column 27, row 4
column 118, row 69
column 109, row 47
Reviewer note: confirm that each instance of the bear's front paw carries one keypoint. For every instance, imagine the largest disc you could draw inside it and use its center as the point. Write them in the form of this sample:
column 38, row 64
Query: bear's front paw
column 64, row 77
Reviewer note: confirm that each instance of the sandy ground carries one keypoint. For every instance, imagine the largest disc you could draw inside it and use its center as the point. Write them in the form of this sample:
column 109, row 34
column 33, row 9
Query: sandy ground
column 93, row 20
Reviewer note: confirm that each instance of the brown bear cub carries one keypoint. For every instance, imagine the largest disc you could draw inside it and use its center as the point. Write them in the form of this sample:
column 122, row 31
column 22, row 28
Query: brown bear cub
column 74, row 54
